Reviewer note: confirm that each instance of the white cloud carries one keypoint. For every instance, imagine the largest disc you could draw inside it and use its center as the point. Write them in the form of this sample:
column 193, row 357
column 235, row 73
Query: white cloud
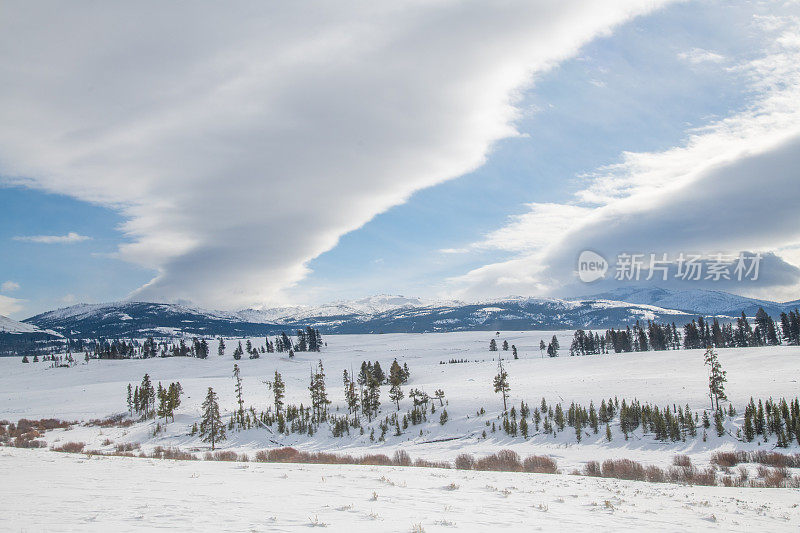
column 9, row 286
column 9, row 306
column 731, row 186
column 697, row 56
column 242, row 140
column 69, row 238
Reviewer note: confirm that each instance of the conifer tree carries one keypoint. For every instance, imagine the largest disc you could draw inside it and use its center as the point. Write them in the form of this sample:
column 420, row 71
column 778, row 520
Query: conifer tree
column 716, row 378
column 239, row 396
column 130, row 399
column 211, row 427
column 221, row 347
column 608, row 433
column 718, row 425
column 278, row 389
column 501, row 382
column 492, row 346
column 443, row 417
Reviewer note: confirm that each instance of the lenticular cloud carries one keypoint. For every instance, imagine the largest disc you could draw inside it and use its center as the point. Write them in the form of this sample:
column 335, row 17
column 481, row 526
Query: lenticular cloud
column 248, row 142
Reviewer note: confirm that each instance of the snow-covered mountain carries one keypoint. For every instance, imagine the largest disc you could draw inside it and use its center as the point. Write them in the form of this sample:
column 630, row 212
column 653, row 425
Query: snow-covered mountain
column 696, row 301
column 381, row 314
column 20, row 336
column 10, row 326
column 399, row 314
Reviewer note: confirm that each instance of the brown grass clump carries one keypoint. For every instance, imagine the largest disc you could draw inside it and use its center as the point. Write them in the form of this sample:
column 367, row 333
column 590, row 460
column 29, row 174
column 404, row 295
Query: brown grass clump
column 70, row 447
column 222, row 455
column 424, row 463
column 540, row 464
column 623, row 469
column 118, row 421
column 175, row 454
column 655, row 474
column 464, row 461
column 126, row 447
column 728, row 459
column 592, row 469
column 502, row 461
column 377, row 459
column 401, row 458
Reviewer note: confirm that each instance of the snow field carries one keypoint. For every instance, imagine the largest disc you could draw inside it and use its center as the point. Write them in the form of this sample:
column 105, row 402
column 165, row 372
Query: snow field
column 50, row 491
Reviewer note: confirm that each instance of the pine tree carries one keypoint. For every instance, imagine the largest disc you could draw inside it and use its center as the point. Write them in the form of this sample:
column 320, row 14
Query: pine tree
column 211, row 427
column 608, row 433
column 239, row 396
column 501, row 382
column 25, row 359
column 443, row 417
column 716, row 378
column 718, row 422
column 749, row 430
column 492, row 346
column 221, row 347
column 130, row 399
column 523, row 427
column 505, row 346
column 278, row 389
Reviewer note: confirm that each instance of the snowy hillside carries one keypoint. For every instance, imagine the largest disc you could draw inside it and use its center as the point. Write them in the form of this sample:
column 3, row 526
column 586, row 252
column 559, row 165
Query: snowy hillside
column 8, row 325
column 97, row 390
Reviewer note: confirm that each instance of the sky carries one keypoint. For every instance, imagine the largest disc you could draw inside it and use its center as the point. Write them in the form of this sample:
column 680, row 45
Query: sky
column 296, row 153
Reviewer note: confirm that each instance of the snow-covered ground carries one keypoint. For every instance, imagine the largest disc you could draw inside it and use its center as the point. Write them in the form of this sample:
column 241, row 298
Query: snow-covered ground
column 98, row 389
column 48, row 491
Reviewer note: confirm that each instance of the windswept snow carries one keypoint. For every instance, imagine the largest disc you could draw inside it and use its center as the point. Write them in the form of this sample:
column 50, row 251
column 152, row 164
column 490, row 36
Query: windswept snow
column 49, row 491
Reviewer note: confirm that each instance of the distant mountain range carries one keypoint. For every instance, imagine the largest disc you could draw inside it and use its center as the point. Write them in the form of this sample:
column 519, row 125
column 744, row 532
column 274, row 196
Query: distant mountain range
column 697, row 301
column 397, row 314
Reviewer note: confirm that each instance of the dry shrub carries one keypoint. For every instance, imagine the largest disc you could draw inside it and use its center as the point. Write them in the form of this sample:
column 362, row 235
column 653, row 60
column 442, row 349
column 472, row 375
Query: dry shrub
column 502, row 461
column 126, row 447
column 789, row 460
column 424, row 463
column 175, row 454
column 623, row 469
column 377, row 459
column 119, row 421
column 108, row 442
column 540, row 464
column 707, row 477
column 464, row 461
column 70, row 447
column 262, row 456
column 728, row 459
column 401, row 458
column 683, row 461
column 592, row 468
column 655, row 474
column 283, row 455
column 21, row 442
column 222, row 455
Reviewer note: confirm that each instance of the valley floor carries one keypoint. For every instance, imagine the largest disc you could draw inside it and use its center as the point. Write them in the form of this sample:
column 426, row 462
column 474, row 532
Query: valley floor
column 49, row 491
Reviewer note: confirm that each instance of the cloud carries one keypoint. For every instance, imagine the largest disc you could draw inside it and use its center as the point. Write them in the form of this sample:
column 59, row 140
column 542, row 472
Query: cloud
column 9, row 286
column 9, row 306
column 698, row 56
column 731, row 187
column 241, row 141
column 69, row 238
